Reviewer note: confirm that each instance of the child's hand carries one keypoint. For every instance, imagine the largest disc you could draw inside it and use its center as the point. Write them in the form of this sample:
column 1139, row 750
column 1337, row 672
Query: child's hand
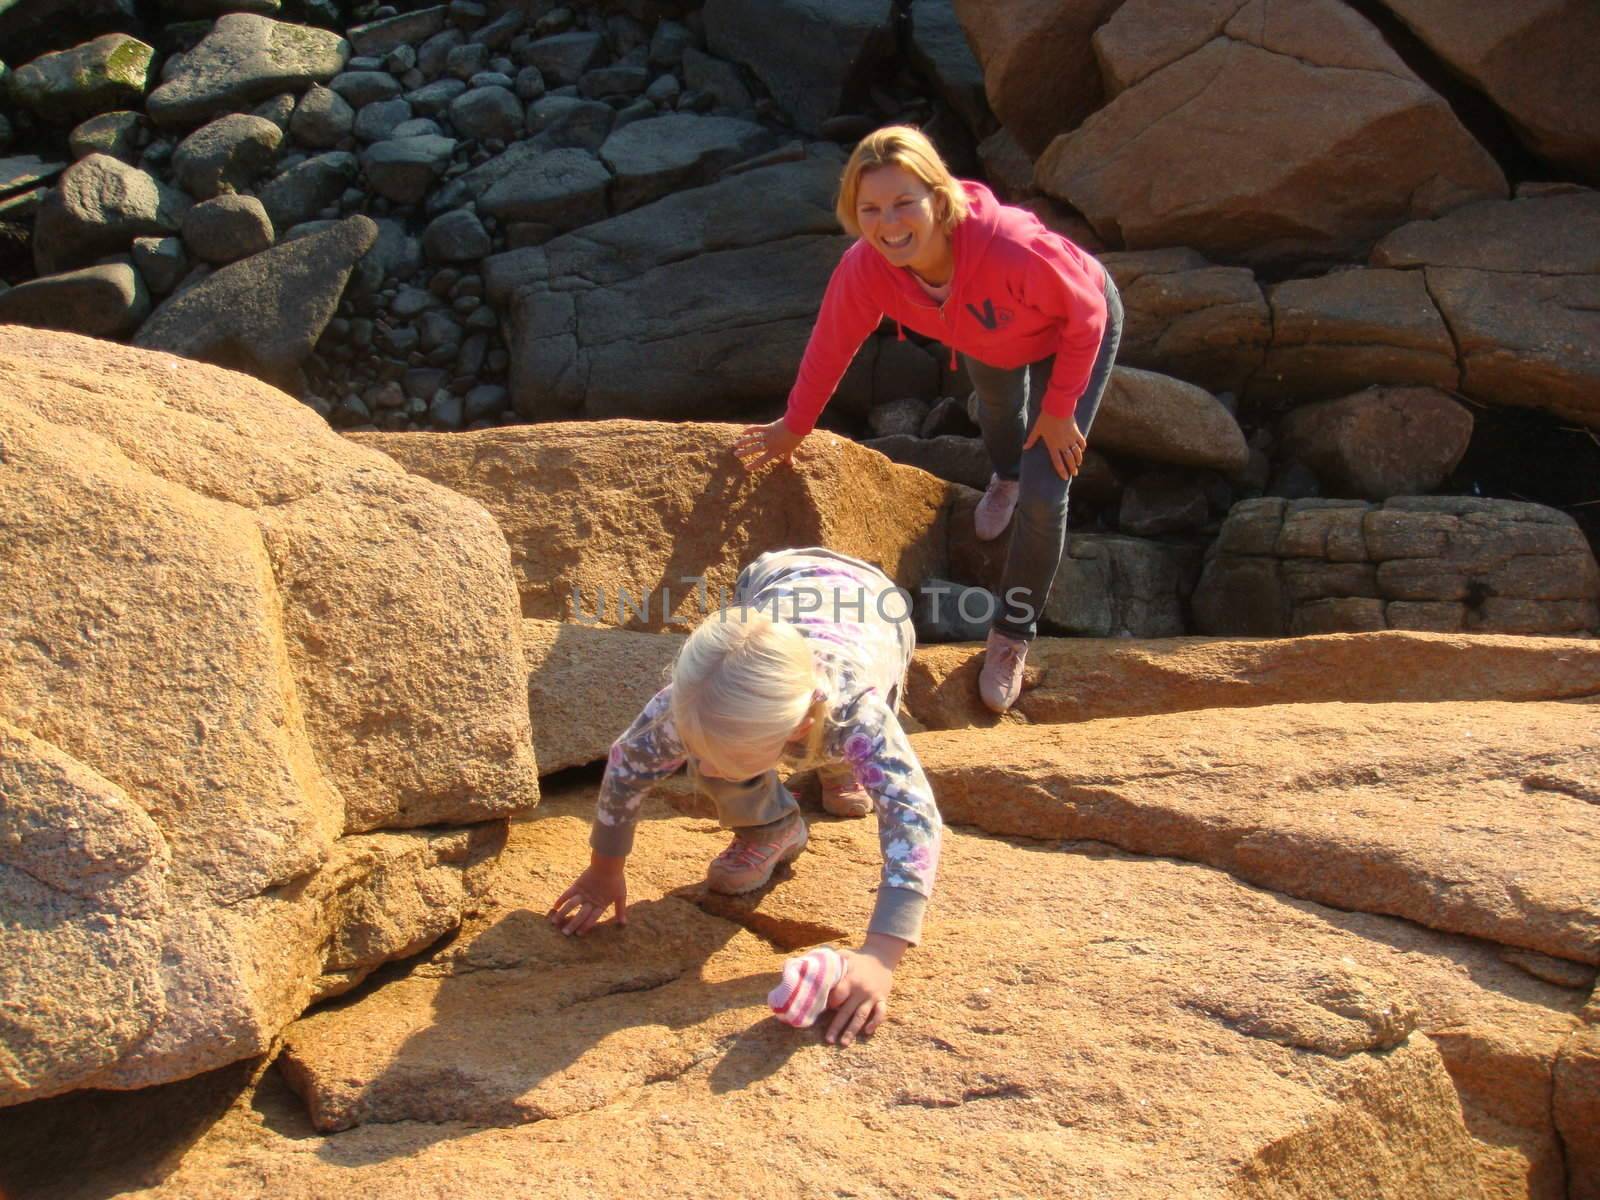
column 759, row 445
column 862, row 996
column 603, row 883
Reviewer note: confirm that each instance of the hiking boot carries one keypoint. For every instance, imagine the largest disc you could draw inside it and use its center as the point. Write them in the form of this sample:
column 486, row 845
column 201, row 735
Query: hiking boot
column 841, row 794
column 994, row 511
column 754, row 854
column 1000, row 682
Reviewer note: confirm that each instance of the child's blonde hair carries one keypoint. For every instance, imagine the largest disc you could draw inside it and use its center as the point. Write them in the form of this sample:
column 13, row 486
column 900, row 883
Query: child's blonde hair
column 907, row 148
column 740, row 687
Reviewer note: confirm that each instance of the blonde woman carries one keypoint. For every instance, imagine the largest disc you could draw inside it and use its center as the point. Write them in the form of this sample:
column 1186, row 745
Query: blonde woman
column 1036, row 318
column 805, row 669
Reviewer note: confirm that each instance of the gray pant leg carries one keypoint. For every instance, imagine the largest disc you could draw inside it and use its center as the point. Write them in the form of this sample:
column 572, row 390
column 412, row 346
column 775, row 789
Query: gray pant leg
column 742, row 803
column 1039, row 531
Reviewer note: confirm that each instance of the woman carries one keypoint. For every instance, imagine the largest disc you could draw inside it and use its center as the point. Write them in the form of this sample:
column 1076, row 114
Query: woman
column 1036, row 319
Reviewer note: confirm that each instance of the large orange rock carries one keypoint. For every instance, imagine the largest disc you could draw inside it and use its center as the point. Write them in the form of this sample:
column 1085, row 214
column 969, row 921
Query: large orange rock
column 1149, row 1028
column 1350, row 144
column 225, row 644
column 603, row 508
column 1534, row 60
column 1473, row 818
column 1038, row 62
column 1084, row 679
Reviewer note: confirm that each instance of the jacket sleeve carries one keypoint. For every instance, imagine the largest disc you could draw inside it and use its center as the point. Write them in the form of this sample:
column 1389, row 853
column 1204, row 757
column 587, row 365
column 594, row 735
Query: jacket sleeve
column 1057, row 284
column 649, row 751
column 847, row 316
column 867, row 735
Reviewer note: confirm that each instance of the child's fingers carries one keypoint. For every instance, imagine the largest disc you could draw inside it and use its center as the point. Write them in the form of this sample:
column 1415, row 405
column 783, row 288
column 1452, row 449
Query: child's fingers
column 622, row 909
column 880, row 1010
column 840, row 1020
column 858, row 1018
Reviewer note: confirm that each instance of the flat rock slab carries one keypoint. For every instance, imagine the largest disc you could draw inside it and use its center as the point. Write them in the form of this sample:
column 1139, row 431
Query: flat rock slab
column 1081, row 679
column 1474, row 818
column 1119, row 1059
column 245, row 59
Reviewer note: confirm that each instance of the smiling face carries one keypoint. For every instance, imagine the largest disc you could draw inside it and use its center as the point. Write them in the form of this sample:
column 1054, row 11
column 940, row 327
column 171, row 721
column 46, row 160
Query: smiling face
column 901, row 218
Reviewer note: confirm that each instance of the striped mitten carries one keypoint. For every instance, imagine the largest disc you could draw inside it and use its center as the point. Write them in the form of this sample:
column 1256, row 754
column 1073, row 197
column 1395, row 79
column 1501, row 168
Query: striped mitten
column 801, row 996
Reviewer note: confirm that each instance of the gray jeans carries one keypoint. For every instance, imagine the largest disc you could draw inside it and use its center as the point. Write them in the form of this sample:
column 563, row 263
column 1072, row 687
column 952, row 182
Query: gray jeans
column 1039, row 530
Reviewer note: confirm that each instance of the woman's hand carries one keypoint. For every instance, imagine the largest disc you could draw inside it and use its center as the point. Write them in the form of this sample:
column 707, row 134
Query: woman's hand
column 603, row 883
column 766, row 443
column 1064, row 440
column 862, row 996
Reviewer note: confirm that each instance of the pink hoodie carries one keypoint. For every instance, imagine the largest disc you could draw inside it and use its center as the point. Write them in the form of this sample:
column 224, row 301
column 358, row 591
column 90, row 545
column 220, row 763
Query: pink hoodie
column 1020, row 293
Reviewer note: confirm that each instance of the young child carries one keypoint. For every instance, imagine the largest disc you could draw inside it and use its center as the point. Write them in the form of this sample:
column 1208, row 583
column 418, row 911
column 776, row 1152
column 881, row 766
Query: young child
column 1036, row 319
column 804, row 669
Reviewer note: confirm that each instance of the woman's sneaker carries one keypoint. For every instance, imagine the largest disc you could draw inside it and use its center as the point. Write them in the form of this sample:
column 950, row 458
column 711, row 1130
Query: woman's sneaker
column 1000, row 681
column 994, row 511
column 754, row 855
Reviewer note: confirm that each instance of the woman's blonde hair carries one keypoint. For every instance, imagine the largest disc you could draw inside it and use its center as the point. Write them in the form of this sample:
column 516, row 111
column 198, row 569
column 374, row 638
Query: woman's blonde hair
column 740, row 687
column 907, row 148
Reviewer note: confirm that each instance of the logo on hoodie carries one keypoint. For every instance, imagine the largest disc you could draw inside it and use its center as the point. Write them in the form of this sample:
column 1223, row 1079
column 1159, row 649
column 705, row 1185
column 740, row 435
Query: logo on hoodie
column 988, row 316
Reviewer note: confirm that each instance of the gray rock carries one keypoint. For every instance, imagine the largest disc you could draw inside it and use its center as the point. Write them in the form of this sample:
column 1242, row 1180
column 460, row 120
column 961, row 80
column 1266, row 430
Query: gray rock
column 100, row 205
column 246, row 58
column 663, row 154
column 410, row 302
column 529, row 84
column 564, row 58
column 434, row 53
column 903, row 415
column 322, row 118
column 1159, row 419
column 1441, row 563
column 418, row 127
column 455, row 237
column 1380, row 442
column 939, row 49
column 716, row 78
column 307, row 188
column 278, row 110
column 951, row 416
column 378, row 121
column 943, row 611
column 434, row 99
column 106, row 301
column 110, row 72
column 6, row 131
column 1161, row 502
column 226, row 155
column 361, row 88
column 487, row 113
column 439, row 331
column 446, row 411
column 403, row 169
column 400, row 60
column 119, row 134
column 463, row 62
column 486, row 401
column 26, row 171
column 668, row 42
column 663, row 91
column 958, row 459
column 380, row 37
column 566, row 121
column 265, row 313
column 813, row 55
column 162, row 262
column 562, row 189
column 613, row 81
column 576, row 349
column 227, row 228
column 485, row 79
